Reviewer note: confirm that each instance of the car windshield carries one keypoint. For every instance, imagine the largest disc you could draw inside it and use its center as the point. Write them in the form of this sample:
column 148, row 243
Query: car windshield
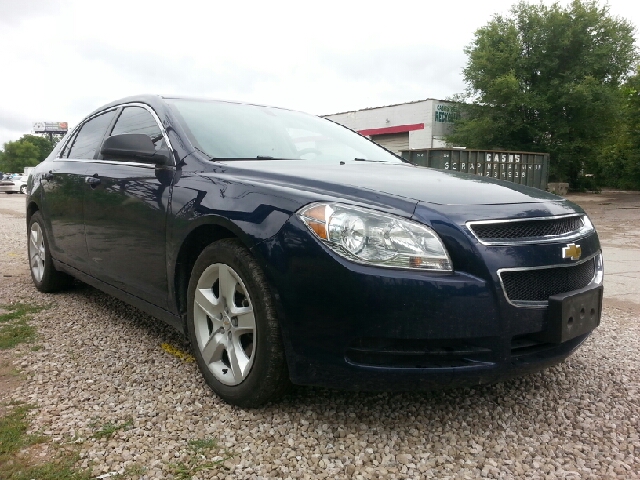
column 238, row 131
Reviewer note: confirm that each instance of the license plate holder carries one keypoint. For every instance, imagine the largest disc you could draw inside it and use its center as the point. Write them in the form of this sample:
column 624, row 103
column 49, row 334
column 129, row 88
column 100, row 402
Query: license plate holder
column 572, row 314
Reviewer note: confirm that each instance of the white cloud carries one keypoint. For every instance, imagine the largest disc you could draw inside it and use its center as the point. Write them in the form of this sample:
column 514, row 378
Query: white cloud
column 62, row 59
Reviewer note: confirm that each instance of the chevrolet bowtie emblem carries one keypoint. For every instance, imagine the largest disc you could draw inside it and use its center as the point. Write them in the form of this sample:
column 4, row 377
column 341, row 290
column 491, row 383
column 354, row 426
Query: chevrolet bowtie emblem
column 572, row 251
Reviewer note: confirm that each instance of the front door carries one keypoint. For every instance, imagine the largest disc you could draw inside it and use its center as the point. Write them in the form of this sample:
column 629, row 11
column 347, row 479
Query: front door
column 125, row 211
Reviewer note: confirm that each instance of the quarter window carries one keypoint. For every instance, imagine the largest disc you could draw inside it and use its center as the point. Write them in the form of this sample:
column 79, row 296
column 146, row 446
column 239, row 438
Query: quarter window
column 67, row 147
column 90, row 136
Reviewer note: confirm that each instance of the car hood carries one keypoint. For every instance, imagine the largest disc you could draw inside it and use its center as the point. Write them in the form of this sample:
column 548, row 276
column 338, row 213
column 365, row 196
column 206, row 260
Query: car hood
column 401, row 180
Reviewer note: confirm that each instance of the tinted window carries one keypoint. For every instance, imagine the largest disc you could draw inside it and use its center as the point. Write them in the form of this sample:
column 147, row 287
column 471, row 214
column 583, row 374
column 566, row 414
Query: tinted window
column 230, row 130
column 138, row 120
column 67, row 147
column 90, row 136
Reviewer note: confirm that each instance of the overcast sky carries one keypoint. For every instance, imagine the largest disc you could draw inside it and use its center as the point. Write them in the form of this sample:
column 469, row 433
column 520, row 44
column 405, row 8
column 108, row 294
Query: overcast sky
column 62, row 59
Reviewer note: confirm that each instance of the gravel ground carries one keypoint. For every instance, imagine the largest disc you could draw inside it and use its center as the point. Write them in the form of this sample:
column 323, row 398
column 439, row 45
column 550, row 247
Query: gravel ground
column 102, row 363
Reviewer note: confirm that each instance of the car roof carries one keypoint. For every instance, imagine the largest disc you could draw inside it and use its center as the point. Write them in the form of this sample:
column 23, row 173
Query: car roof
column 157, row 102
column 154, row 101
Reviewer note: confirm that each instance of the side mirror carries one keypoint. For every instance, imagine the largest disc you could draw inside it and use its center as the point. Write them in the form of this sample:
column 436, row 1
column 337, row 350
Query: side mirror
column 137, row 146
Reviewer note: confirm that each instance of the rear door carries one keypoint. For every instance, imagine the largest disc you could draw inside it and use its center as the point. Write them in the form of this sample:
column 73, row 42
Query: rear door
column 64, row 188
column 126, row 214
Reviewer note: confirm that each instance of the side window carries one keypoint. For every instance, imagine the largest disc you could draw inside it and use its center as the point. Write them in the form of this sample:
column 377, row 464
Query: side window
column 90, row 136
column 139, row 120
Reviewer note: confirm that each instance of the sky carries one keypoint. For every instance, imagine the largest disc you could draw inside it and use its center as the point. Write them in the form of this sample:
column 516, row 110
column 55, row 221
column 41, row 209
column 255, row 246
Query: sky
column 60, row 60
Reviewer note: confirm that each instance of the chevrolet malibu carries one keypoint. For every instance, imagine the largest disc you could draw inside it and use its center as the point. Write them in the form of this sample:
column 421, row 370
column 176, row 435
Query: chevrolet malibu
column 289, row 249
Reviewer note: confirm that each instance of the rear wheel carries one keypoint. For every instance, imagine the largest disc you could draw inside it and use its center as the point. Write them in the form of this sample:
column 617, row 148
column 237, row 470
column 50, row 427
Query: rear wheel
column 23, row 189
column 233, row 327
column 45, row 277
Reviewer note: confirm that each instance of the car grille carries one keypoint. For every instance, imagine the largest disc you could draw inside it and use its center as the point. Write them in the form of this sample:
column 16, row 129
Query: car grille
column 538, row 285
column 526, row 229
column 416, row 353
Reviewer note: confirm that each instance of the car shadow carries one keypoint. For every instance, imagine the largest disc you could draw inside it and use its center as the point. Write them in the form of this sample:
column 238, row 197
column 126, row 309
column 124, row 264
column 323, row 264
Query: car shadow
column 484, row 407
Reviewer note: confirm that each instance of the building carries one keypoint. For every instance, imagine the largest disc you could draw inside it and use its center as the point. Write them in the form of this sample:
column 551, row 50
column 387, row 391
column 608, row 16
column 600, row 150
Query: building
column 405, row 126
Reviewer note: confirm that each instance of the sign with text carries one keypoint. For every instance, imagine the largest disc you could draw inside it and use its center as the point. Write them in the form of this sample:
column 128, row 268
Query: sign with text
column 446, row 113
column 50, row 127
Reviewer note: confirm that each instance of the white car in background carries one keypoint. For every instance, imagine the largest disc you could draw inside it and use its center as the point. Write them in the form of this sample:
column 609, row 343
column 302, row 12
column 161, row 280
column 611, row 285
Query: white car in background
column 16, row 184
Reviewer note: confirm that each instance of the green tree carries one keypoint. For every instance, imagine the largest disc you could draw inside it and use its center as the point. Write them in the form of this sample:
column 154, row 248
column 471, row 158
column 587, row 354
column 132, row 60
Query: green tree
column 43, row 144
column 619, row 161
column 28, row 151
column 547, row 79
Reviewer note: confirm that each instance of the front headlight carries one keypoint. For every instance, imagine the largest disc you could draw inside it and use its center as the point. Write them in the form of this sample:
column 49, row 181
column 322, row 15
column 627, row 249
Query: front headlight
column 374, row 238
column 586, row 222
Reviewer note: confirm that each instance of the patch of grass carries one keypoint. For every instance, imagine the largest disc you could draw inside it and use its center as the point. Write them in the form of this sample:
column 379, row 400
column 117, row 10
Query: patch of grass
column 12, row 334
column 60, row 468
column 197, row 461
column 203, row 444
column 14, row 465
column 13, row 430
column 14, row 328
column 16, row 311
column 109, row 428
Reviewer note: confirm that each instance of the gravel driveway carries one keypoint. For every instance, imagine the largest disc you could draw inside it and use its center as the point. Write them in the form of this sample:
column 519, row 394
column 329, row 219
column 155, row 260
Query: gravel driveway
column 102, row 367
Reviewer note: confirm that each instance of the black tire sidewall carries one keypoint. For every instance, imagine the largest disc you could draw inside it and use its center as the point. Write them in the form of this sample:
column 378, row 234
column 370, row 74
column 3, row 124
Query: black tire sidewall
column 261, row 384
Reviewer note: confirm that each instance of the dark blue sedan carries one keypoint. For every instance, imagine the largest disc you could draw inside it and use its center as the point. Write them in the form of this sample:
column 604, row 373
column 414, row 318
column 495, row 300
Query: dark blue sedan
column 290, row 249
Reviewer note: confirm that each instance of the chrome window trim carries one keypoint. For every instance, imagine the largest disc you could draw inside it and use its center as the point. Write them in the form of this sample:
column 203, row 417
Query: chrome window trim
column 77, row 129
column 114, row 162
column 597, row 279
column 115, row 107
column 587, row 227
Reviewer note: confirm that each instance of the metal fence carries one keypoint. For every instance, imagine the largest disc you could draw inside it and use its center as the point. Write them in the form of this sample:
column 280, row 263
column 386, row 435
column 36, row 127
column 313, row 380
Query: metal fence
column 525, row 168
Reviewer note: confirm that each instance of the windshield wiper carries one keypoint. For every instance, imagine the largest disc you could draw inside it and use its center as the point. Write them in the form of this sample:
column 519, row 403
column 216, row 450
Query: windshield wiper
column 366, row 160
column 265, row 157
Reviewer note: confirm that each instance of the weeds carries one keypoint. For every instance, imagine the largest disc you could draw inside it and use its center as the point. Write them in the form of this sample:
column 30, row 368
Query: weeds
column 197, row 461
column 110, row 428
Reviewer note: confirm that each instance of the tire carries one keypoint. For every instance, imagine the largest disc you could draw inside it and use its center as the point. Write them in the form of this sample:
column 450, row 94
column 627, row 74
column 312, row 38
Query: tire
column 233, row 328
column 23, row 189
column 44, row 275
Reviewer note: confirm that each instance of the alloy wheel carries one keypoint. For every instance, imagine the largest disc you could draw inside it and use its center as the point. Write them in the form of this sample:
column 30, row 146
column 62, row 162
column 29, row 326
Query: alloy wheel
column 37, row 253
column 225, row 324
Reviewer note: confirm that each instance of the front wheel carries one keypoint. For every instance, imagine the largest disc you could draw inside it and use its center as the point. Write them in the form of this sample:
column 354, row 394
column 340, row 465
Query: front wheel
column 45, row 277
column 23, row 189
column 233, row 328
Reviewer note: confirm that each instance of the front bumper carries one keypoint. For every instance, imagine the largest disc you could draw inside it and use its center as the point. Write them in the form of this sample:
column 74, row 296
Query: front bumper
column 9, row 188
column 357, row 327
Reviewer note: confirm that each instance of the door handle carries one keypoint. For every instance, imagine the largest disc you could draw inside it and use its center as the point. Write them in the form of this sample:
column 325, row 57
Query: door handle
column 48, row 176
column 92, row 181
